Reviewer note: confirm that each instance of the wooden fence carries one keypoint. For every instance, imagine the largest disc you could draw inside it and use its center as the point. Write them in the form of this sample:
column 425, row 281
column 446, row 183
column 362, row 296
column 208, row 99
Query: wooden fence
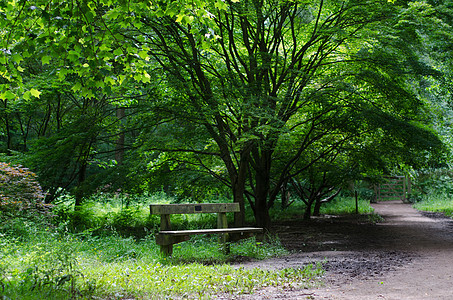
column 393, row 188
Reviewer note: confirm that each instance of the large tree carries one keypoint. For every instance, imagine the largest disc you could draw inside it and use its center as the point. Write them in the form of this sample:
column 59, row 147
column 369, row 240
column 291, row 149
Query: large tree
column 248, row 76
column 260, row 72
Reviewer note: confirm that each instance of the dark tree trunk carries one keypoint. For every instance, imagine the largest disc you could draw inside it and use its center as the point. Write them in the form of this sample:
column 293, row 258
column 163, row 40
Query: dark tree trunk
column 9, row 139
column 317, row 208
column 307, row 213
column 239, row 180
column 119, row 147
column 238, row 197
column 79, row 194
column 261, row 207
column 262, row 180
column 284, row 196
column 319, row 202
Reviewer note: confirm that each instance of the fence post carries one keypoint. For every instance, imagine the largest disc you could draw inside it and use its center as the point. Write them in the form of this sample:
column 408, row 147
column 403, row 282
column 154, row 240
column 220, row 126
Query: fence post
column 375, row 200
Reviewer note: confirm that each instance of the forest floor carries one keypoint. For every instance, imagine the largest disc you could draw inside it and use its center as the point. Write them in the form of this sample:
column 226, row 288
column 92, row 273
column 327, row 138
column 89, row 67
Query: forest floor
column 408, row 255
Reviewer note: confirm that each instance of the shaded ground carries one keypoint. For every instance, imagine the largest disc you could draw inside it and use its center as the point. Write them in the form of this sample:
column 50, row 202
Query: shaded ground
column 409, row 255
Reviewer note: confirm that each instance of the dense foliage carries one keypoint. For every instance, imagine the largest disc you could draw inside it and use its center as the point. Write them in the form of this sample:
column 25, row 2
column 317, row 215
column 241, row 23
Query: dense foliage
column 247, row 100
column 259, row 102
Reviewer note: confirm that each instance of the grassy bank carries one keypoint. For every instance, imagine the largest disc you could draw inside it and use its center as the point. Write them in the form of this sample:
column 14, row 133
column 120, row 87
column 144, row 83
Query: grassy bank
column 441, row 202
column 338, row 206
column 45, row 264
column 106, row 250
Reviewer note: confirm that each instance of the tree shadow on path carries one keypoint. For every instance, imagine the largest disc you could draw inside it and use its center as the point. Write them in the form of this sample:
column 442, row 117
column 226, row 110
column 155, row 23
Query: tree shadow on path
column 393, row 259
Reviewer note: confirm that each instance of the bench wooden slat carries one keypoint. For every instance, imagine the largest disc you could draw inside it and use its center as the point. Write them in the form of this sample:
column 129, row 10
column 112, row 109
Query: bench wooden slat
column 166, row 237
column 164, row 209
column 213, row 231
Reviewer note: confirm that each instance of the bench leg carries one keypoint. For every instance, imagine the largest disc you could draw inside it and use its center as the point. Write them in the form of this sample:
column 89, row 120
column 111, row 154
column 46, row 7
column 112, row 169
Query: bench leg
column 224, row 237
column 166, row 247
column 225, row 247
column 166, row 242
column 166, row 250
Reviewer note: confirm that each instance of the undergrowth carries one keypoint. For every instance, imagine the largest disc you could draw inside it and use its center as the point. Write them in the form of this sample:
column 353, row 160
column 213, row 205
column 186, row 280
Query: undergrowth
column 338, row 206
column 346, row 205
column 54, row 265
column 106, row 250
column 436, row 202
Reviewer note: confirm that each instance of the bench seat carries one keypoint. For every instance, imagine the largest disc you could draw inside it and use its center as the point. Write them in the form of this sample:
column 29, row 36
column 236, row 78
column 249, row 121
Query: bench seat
column 167, row 237
column 212, row 231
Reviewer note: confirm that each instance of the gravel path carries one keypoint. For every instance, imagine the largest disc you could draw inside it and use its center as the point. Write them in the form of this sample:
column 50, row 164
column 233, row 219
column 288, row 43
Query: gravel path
column 407, row 256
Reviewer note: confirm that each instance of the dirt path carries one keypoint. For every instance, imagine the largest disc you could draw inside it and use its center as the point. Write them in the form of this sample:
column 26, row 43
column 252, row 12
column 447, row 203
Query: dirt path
column 407, row 256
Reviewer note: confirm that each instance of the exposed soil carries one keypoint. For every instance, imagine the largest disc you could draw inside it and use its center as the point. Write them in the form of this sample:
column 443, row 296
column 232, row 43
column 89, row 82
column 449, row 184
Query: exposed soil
column 408, row 255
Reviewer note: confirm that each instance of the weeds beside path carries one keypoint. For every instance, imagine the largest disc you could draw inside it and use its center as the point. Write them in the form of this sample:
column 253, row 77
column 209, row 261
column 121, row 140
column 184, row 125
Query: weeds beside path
column 406, row 256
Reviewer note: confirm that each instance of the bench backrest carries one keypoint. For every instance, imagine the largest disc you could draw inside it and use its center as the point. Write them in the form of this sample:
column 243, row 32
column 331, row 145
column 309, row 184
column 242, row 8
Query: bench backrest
column 193, row 208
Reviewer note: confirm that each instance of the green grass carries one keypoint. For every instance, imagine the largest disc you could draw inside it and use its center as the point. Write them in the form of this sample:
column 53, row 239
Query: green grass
column 436, row 203
column 52, row 265
column 338, row 206
column 106, row 250
column 345, row 206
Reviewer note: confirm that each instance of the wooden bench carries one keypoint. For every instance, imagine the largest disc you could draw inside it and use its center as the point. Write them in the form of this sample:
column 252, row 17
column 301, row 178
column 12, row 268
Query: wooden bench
column 167, row 237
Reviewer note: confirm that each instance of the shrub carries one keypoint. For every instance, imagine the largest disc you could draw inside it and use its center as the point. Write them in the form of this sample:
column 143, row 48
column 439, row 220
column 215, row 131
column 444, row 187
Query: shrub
column 20, row 192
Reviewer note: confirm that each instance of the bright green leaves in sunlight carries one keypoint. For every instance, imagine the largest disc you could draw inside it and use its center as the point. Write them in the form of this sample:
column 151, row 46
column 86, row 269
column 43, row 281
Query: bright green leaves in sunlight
column 271, row 87
column 45, row 59
column 97, row 45
column 221, row 5
column 30, row 93
column 7, row 95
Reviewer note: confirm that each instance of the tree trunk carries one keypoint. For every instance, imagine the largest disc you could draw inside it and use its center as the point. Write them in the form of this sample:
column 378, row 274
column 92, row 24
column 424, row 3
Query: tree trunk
column 319, row 202
column 307, row 213
column 317, row 208
column 238, row 184
column 9, row 139
column 238, row 197
column 79, row 194
column 285, row 195
column 119, row 147
column 261, row 194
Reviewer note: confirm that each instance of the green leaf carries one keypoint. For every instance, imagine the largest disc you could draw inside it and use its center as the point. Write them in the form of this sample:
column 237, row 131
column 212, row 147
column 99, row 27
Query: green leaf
column 171, row 10
column 90, row 16
column 179, row 18
column 62, row 74
column 188, row 20
column 118, row 51
column 88, row 93
column 45, row 59
column 8, row 95
column 138, row 77
column 221, row 5
column 109, row 80
column 35, row 93
column 77, row 87
column 73, row 56
column 104, row 47
column 27, row 95
column 17, row 58
column 160, row 13
column 143, row 55
column 113, row 14
column 146, row 77
column 99, row 84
